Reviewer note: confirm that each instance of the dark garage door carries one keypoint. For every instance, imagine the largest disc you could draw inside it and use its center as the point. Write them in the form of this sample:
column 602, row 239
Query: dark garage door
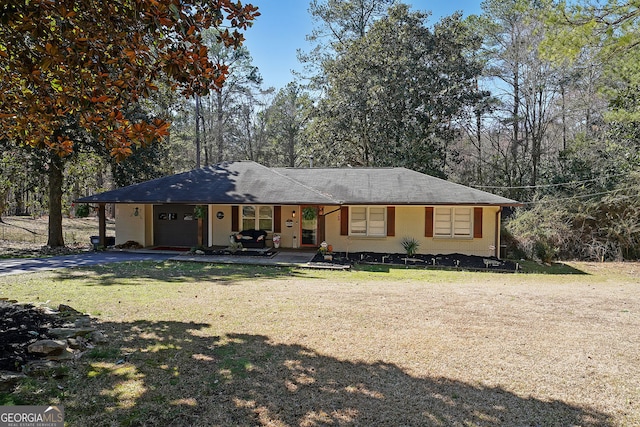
column 175, row 225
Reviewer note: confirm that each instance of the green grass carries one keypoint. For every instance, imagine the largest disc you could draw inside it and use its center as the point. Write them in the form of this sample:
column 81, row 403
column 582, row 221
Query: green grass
column 98, row 288
column 11, row 399
column 202, row 344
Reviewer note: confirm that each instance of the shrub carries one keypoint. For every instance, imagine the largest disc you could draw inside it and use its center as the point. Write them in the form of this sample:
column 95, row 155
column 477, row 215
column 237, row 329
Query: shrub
column 82, row 211
column 542, row 232
column 603, row 228
column 410, row 246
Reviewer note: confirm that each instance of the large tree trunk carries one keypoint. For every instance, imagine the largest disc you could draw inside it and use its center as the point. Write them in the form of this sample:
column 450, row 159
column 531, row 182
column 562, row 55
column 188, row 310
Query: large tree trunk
column 219, row 127
column 19, row 200
column 56, row 178
column 198, row 149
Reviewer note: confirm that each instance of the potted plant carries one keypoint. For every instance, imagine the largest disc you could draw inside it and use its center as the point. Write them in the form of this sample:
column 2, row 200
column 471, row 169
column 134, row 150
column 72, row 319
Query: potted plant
column 276, row 241
column 324, row 249
column 309, row 214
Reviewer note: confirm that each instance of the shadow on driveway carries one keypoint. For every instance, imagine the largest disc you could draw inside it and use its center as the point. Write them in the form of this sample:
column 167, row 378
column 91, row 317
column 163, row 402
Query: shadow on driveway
column 28, row 265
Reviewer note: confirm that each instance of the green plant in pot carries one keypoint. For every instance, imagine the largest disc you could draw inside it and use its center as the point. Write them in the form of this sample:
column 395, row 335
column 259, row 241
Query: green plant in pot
column 309, row 214
column 200, row 212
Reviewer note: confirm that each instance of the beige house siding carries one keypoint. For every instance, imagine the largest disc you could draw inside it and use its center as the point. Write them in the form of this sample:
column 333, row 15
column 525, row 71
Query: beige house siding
column 130, row 226
column 219, row 229
column 409, row 223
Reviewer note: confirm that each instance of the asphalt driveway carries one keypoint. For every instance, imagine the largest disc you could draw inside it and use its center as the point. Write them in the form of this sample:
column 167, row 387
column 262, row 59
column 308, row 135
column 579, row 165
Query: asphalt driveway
column 27, row 265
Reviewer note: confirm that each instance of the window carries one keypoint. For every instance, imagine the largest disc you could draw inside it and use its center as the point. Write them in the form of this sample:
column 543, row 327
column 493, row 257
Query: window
column 248, row 217
column 367, row 221
column 265, row 218
column 453, row 222
column 262, row 221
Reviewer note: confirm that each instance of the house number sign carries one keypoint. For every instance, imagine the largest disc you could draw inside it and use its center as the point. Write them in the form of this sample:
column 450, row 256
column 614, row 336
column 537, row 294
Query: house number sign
column 220, row 215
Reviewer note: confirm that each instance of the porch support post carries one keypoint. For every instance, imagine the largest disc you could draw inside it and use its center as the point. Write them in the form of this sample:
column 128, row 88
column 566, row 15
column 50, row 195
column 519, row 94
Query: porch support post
column 498, row 237
column 102, row 224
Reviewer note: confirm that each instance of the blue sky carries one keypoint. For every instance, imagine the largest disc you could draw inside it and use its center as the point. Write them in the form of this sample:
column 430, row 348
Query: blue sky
column 281, row 29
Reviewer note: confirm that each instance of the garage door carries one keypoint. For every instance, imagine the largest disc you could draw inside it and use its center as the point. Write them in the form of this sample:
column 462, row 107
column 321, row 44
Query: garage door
column 175, row 225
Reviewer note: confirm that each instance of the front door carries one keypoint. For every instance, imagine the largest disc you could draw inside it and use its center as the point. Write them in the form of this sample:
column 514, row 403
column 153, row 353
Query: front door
column 309, row 226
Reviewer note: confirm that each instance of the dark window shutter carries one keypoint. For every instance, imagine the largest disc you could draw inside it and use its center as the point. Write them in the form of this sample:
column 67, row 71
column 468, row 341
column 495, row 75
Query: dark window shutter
column 277, row 219
column 344, row 221
column 235, row 218
column 321, row 228
column 477, row 223
column 428, row 221
column 391, row 220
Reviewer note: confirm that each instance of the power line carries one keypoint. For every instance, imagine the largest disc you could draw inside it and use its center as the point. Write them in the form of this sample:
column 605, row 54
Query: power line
column 582, row 196
column 529, row 187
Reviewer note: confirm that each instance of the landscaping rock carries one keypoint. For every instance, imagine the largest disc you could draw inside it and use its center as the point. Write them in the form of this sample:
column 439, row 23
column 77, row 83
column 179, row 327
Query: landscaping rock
column 64, row 355
column 66, row 310
column 31, row 334
column 8, row 380
column 98, row 337
column 82, row 322
column 74, row 344
column 64, row 333
column 45, row 369
column 47, row 347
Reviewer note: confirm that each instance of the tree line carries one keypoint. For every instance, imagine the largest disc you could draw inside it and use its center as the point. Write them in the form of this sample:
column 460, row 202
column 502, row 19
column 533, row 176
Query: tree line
column 531, row 99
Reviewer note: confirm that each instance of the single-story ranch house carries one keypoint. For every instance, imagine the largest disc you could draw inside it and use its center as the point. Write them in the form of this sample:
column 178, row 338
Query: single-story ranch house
column 352, row 209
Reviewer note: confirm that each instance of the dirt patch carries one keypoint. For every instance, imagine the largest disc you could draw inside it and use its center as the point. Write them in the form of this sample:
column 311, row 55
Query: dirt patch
column 26, row 237
column 30, row 250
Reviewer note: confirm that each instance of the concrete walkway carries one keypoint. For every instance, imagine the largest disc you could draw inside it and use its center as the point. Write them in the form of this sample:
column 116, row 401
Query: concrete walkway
column 283, row 258
column 280, row 259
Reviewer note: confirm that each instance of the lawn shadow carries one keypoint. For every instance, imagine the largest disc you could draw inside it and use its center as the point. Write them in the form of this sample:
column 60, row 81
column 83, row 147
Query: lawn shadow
column 145, row 272
column 173, row 373
column 9, row 224
column 555, row 268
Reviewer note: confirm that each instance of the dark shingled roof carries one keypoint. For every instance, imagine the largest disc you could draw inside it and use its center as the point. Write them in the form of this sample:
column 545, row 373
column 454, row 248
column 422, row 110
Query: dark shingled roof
column 249, row 182
column 394, row 186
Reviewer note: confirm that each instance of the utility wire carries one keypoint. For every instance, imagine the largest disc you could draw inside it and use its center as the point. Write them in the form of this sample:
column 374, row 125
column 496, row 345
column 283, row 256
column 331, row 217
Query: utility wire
column 582, row 196
column 527, row 187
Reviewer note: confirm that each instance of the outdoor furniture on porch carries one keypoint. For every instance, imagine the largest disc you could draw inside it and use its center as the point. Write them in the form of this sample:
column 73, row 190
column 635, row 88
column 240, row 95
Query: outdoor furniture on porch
column 251, row 238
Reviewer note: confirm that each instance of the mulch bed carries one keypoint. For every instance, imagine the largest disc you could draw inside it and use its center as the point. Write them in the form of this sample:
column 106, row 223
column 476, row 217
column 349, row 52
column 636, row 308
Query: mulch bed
column 243, row 252
column 171, row 248
column 458, row 261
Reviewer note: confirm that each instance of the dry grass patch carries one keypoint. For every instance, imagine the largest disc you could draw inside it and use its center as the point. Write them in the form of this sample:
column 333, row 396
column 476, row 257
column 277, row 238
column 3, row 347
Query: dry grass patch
column 22, row 236
column 402, row 347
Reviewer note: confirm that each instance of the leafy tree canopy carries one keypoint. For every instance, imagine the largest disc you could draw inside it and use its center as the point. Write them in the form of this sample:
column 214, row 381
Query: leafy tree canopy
column 90, row 60
column 610, row 27
column 394, row 94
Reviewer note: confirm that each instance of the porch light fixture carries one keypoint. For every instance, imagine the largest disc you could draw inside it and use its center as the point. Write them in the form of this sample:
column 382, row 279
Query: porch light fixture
column 135, row 212
column 293, row 214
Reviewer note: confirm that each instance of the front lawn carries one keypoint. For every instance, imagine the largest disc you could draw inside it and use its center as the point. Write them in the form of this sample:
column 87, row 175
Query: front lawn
column 203, row 345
